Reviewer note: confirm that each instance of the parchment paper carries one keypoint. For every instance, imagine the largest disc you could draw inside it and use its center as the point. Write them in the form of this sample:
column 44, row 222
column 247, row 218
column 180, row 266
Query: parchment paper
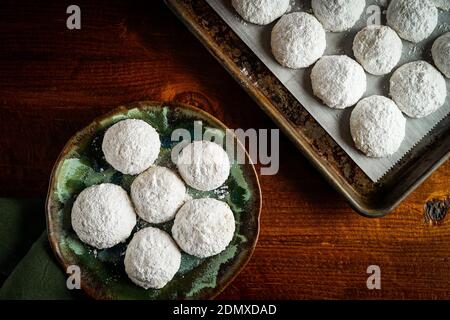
column 336, row 122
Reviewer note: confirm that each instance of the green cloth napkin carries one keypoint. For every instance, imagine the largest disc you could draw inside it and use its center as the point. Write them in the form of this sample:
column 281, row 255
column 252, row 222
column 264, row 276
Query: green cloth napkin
column 38, row 276
column 29, row 273
column 22, row 221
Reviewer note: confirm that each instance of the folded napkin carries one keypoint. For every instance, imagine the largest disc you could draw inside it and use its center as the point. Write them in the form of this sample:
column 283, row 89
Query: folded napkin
column 34, row 274
column 22, row 221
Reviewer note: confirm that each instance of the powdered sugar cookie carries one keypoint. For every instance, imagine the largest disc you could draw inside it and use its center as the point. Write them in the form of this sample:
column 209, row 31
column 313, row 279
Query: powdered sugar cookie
column 298, row 40
column 131, row 146
column 378, row 49
column 204, row 227
column 260, row 11
column 338, row 81
column 203, row 165
column 441, row 53
column 152, row 258
column 377, row 126
column 338, row 15
column 103, row 216
column 414, row 20
column 157, row 194
column 418, row 89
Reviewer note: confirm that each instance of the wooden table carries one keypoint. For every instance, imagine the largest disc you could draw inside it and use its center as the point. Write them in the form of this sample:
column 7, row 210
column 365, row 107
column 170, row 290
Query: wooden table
column 54, row 81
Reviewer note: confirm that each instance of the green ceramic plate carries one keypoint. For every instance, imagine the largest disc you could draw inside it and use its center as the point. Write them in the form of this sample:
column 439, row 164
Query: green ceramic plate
column 82, row 164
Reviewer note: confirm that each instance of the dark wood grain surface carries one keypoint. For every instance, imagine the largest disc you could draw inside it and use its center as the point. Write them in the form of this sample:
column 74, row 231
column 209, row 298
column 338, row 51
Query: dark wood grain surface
column 54, row 81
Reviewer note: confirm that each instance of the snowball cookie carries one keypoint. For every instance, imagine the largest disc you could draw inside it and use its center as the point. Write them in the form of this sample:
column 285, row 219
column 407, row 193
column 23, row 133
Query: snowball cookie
column 203, row 165
column 298, row 40
column 414, row 20
column 378, row 49
column 204, row 227
column 103, row 216
column 377, row 126
column 338, row 15
column 442, row 4
column 152, row 258
column 441, row 53
column 338, row 81
column 418, row 89
column 260, row 11
column 157, row 194
column 131, row 146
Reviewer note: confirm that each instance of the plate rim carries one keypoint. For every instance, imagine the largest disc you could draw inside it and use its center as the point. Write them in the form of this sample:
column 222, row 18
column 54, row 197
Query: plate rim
column 71, row 142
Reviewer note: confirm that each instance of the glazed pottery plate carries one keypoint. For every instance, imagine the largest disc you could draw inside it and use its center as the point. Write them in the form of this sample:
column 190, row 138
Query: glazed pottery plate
column 82, row 164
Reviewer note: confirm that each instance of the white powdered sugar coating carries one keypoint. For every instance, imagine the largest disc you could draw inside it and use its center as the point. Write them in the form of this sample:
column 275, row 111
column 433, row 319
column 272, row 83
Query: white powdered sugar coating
column 338, row 15
column 377, row 126
column 441, row 53
column 204, row 227
column 103, row 216
column 260, row 12
column 157, row 194
column 298, row 40
column 418, row 89
column 414, row 20
column 442, row 4
column 152, row 258
column 203, row 165
column 131, row 146
column 338, row 81
column 378, row 49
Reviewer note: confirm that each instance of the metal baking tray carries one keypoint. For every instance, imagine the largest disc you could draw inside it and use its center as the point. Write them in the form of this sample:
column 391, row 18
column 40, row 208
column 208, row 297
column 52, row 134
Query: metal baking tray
column 366, row 197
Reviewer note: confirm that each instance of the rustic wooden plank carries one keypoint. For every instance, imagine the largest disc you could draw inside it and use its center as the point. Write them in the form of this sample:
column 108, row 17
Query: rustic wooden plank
column 312, row 245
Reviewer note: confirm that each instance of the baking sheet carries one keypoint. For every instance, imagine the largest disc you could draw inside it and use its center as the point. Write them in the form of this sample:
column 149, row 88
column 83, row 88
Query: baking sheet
column 336, row 122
